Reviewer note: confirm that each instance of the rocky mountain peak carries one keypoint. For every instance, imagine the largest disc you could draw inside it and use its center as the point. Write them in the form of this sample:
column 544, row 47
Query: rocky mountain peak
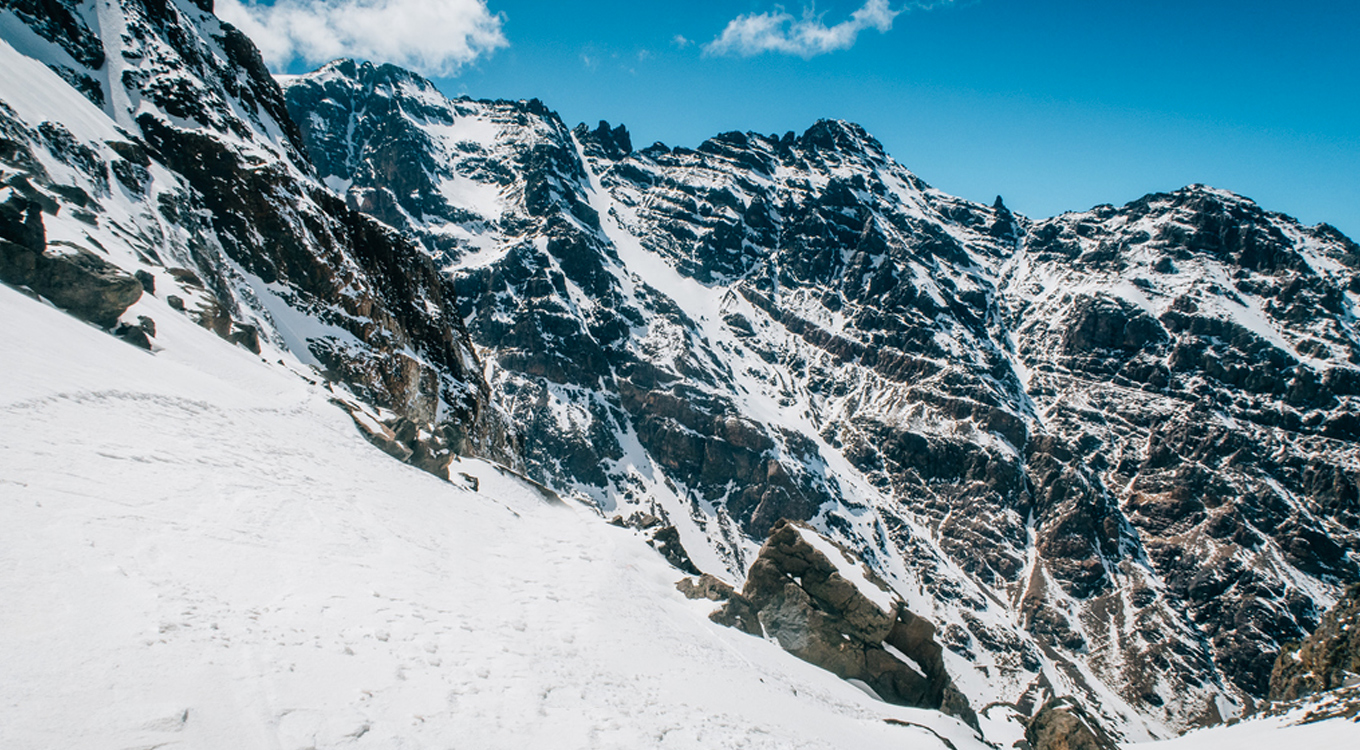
column 604, row 142
column 347, row 67
column 383, row 78
column 839, row 135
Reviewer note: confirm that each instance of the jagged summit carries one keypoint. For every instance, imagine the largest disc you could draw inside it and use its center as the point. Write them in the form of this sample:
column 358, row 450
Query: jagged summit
column 382, row 79
column 824, row 135
column 840, row 135
column 608, row 143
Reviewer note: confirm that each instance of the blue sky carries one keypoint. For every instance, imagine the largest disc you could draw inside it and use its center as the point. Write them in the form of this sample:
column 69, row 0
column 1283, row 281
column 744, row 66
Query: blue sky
column 1054, row 104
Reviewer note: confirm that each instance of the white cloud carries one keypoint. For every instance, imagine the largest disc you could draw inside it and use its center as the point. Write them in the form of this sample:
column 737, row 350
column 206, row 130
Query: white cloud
column 435, row 37
column 680, row 41
column 757, row 33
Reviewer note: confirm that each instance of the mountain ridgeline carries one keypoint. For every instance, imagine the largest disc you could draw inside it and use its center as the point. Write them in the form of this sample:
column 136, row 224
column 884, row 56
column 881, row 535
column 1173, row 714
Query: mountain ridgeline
column 1112, row 455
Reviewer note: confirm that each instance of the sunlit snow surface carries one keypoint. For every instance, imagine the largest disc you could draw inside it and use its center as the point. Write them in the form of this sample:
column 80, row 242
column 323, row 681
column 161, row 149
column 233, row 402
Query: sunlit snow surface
column 199, row 551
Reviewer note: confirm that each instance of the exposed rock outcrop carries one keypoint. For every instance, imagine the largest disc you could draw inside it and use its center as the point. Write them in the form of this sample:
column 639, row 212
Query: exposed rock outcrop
column 1327, row 659
column 823, row 606
column 72, row 278
column 662, row 537
column 1062, row 724
column 706, row 586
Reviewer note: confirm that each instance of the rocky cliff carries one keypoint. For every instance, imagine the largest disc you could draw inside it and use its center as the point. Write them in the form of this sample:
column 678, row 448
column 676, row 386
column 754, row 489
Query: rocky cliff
column 822, row 605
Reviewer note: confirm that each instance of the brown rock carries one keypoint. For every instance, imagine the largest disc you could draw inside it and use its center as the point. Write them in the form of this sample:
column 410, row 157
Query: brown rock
column 797, row 596
column 135, row 335
column 17, row 262
column 85, row 285
column 245, row 335
column 1063, row 725
column 1325, row 660
column 74, row 279
column 375, row 432
column 705, row 587
column 666, row 540
column 739, row 613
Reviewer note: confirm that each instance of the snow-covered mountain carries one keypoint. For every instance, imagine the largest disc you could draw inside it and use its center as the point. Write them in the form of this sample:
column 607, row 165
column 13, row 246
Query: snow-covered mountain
column 1200, row 355
column 1112, row 453
column 1109, row 455
column 171, row 153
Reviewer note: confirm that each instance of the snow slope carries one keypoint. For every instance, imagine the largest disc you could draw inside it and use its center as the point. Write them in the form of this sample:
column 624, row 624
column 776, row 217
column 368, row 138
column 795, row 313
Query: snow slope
column 1335, row 734
column 199, row 551
column 1319, row 722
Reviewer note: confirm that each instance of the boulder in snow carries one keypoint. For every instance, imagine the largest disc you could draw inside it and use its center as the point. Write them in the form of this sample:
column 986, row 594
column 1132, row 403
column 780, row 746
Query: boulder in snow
column 826, row 608
column 73, row 278
column 1062, row 724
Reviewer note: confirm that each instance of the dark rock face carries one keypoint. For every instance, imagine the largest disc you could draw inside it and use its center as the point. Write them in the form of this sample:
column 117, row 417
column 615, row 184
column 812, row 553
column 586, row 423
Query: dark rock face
column 85, row 285
column 21, row 223
column 605, row 142
column 368, row 130
column 557, row 360
column 666, row 540
column 59, row 22
column 1327, row 659
column 796, row 594
column 1062, row 724
column 73, row 278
